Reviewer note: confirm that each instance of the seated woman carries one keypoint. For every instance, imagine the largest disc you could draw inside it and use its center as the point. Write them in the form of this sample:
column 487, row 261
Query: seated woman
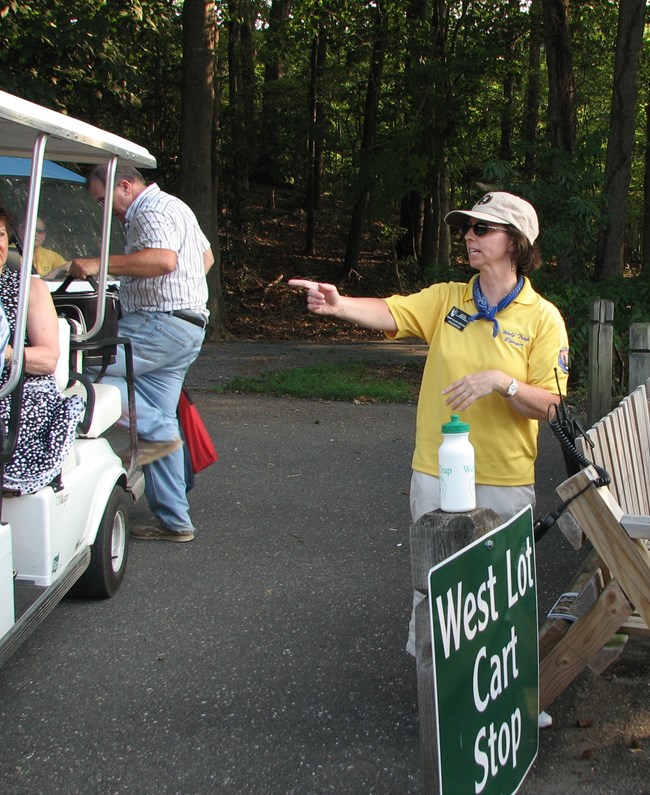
column 48, row 419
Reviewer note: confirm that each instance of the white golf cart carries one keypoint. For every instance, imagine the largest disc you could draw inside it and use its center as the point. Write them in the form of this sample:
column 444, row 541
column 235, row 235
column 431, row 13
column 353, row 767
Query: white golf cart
column 72, row 535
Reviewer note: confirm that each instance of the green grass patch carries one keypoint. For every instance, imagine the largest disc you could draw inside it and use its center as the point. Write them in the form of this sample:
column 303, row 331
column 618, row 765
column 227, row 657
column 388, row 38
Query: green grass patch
column 364, row 382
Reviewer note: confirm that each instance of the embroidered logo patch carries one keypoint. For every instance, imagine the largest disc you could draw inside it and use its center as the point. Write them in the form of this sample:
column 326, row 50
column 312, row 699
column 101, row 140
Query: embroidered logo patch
column 563, row 360
column 486, row 199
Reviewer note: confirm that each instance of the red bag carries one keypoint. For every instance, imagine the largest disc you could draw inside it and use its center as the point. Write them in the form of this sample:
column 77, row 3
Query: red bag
column 196, row 435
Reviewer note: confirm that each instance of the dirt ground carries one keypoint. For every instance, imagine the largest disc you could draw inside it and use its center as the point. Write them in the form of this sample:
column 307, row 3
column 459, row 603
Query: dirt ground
column 600, row 738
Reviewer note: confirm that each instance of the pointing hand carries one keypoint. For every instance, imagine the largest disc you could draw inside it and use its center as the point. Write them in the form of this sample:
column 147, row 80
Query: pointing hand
column 322, row 299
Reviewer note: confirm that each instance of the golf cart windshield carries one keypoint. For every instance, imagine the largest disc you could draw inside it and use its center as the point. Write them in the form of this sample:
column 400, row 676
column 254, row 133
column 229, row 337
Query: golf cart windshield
column 36, row 133
column 71, row 219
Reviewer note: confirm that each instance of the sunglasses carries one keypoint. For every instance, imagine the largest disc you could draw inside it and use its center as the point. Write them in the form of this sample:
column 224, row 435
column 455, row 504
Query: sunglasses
column 479, row 229
column 41, row 230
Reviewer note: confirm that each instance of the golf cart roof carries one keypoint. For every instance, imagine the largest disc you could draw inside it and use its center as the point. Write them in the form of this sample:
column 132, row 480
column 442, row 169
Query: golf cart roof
column 21, row 167
column 69, row 140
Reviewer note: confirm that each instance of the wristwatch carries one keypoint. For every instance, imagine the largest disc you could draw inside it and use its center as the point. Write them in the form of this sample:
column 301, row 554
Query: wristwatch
column 512, row 389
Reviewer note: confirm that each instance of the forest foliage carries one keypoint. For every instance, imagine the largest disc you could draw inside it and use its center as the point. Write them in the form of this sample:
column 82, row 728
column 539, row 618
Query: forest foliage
column 390, row 111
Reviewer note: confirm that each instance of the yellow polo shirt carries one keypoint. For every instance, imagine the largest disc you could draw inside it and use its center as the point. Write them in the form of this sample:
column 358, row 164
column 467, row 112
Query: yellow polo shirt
column 46, row 260
column 531, row 346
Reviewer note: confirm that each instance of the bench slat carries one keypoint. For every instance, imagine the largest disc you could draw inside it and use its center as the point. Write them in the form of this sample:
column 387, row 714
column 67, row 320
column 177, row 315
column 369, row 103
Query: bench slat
column 601, row 431
column 622, row 447
column 624, row 457
column 635, row 625
column 639, row 405
column 633, row 459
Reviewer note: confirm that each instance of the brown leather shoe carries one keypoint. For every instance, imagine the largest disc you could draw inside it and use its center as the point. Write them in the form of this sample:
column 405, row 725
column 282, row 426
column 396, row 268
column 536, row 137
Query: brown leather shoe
column 152, row 451
column 157, row 533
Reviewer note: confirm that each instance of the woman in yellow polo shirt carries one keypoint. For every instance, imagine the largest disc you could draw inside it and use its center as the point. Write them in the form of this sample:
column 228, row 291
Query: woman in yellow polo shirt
column 497, row 352
column 45, row 259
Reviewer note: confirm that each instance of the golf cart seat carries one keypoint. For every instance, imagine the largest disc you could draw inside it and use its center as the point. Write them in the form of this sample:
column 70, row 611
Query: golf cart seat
column 13, row 259
column 103, row 401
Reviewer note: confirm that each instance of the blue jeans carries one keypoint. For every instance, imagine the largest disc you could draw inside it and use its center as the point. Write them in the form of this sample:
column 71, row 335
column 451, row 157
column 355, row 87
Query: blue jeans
column 163, row 348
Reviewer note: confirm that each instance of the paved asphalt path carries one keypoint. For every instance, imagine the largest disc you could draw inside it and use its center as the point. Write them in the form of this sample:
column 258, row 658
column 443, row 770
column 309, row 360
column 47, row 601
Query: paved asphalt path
column 267, row 657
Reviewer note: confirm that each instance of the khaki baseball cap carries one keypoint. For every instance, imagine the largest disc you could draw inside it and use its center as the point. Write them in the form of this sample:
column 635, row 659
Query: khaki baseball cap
column 502, row 208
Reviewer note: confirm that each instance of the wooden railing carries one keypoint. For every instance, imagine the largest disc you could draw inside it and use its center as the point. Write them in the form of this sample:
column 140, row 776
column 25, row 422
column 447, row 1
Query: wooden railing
column 601, row 352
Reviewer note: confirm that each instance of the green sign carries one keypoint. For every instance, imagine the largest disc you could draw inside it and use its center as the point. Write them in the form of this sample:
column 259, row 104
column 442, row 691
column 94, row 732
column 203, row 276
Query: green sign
column 483, row 605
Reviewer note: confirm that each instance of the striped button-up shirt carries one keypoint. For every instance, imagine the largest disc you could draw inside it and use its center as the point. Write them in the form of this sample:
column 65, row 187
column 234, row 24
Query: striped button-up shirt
column 158, row 220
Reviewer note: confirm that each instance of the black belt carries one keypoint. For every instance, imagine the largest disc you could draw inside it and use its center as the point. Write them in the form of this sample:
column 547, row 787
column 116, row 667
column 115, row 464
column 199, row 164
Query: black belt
column 194, row 318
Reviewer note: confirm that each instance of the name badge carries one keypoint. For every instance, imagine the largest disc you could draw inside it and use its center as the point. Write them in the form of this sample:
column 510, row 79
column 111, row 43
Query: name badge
column 457, row 318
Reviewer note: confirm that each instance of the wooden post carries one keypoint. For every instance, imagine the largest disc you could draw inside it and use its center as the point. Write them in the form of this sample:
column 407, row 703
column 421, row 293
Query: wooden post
column 601, row 342
column 639, row 355
column 434, row 537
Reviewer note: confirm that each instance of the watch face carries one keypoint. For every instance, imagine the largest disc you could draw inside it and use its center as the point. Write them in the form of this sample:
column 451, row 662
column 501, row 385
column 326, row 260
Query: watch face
column 512, row 389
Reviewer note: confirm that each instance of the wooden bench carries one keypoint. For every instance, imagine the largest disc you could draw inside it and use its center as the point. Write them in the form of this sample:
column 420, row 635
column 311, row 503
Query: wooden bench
column 609, row 598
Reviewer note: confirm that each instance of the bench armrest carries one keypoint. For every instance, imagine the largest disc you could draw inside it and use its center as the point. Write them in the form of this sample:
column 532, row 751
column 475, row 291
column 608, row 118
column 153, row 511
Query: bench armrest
column 636, row 526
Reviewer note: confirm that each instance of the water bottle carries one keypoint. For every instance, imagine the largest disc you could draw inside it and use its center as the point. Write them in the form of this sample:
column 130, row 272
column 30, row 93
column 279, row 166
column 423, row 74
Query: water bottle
column 456, row 462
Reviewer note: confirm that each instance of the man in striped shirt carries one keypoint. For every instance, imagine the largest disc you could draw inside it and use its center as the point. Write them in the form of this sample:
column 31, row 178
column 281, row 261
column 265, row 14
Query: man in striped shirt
column 163, row 296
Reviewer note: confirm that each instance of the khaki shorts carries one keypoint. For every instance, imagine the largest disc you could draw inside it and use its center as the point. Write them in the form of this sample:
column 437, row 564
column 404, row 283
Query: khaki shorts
column 505, row 500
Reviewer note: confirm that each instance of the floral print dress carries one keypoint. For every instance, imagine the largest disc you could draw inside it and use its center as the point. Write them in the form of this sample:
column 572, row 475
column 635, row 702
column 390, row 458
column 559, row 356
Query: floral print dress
column 48, row 419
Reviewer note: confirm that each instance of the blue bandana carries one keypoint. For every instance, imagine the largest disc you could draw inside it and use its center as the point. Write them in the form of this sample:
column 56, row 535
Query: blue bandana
column 490, row 312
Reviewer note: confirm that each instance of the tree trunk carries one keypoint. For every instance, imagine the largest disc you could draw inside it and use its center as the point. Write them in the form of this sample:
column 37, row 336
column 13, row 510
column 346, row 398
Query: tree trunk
column 197, row 108
column 436, row 235
column 241, row 110
column 358, row 215
column 645, row 235
column 533, row 91
column 248, row 88
column 216, row 304
column 561, row 97
column 315, row 139
column 278, row 15
column 267, row 168
column 620, row 145
column 418, row 15
column 410, row 220
column 505, row 140
column 197, row 115
column 440, row 210
column 561, row 94
column 507, row 114
column 439, row 118
column 429, row 225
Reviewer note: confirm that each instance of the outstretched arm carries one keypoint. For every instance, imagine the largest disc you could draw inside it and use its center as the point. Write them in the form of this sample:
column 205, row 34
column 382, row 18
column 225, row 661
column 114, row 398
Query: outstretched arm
column 325, row 299
column 147, row 262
